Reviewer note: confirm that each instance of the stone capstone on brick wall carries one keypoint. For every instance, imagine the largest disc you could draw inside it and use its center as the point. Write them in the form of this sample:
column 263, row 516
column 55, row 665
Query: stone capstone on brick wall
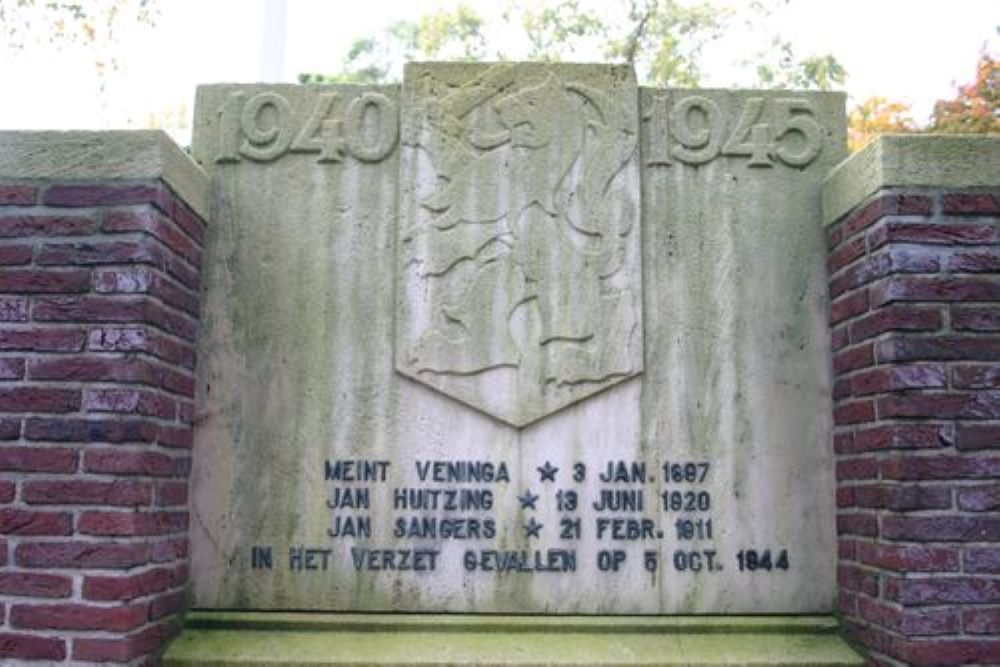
column 915, row 322
column 99, row 307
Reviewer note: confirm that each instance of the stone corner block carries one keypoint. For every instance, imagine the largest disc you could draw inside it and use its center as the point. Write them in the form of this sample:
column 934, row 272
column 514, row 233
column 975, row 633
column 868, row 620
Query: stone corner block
column 104, row 155
column 911, row 160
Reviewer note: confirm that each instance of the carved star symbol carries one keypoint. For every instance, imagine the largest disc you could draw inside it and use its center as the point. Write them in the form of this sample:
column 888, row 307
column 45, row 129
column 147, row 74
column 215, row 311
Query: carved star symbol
column 528, row 500
column 548, row 472
column 532, row 528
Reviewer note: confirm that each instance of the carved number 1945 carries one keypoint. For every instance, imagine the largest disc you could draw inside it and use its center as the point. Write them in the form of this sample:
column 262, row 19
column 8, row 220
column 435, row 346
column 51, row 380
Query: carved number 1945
column 697, row 126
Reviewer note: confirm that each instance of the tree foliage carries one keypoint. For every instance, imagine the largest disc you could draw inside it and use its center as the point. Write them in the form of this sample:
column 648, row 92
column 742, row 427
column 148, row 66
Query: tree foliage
column 25, row 23
column 877, row 115
column 664, row 39
column 555, row 30
column 779, row 67
column 974, row 110
column 94, row 25
column 451, row 35
column 976, row 107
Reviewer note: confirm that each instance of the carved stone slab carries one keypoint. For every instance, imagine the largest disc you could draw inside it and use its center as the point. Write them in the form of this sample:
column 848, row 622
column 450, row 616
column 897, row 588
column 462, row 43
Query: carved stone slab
column 325, row 479
column 519, row 275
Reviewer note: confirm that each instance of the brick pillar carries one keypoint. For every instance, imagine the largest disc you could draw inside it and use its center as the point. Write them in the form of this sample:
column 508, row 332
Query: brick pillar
column 100, row 248
column 915, row 315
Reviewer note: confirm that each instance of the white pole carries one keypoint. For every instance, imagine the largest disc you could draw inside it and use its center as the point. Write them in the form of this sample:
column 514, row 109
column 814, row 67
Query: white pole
column 273, row 37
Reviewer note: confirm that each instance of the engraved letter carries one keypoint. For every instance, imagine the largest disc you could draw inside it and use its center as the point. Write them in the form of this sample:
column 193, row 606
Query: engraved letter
column 321, row 135
column 697, row 145
column 229, row 128
column 659, row 131
column 267, row 144
column 758, row 148
column 803, row 123
column 386, row 132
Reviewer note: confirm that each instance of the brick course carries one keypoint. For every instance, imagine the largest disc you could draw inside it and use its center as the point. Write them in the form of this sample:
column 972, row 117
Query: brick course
column 915, row 326
column 99, row 308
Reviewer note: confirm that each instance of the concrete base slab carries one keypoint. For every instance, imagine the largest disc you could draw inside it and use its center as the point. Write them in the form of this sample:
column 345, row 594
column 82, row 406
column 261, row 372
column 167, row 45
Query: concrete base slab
column 290, row 639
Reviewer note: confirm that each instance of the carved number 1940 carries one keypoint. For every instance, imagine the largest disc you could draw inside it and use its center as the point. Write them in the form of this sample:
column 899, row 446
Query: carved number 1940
column 697, row 126
column 326, row 132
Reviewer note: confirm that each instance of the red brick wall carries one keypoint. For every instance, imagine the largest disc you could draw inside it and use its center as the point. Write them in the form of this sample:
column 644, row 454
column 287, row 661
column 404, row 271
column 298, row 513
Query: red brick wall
column 98, row 315
column 915, row 319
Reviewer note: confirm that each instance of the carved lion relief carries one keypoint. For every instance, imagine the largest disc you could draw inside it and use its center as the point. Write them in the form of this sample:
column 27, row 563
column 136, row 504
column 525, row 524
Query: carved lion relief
column 519, row 256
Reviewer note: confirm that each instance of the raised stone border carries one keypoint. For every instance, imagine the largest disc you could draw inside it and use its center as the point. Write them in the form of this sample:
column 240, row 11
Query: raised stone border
column 915, row 317
column 100, row 253
column 239, row 639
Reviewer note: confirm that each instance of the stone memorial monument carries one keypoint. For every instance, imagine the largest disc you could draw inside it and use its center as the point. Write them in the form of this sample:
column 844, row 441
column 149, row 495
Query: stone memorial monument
column 552, row 344
column 510, row 364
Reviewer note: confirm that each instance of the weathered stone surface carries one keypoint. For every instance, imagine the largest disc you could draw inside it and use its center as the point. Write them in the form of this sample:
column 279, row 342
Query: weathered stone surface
column 519, row 258
column 937, row 161
column 311, row 322
column 220, row 638
column 112, row 155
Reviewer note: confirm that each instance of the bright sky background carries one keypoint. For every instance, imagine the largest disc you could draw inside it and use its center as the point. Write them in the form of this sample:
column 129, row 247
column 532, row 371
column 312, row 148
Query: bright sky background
column 911, row 50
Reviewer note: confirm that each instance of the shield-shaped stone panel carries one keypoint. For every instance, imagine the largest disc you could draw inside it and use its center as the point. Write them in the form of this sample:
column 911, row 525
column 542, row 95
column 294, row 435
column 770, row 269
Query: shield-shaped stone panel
column 519, row 273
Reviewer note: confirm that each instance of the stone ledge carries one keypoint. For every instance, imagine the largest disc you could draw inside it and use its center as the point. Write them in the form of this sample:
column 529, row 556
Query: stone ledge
column 248, row 638
column 911, row 160
column 104, row 155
